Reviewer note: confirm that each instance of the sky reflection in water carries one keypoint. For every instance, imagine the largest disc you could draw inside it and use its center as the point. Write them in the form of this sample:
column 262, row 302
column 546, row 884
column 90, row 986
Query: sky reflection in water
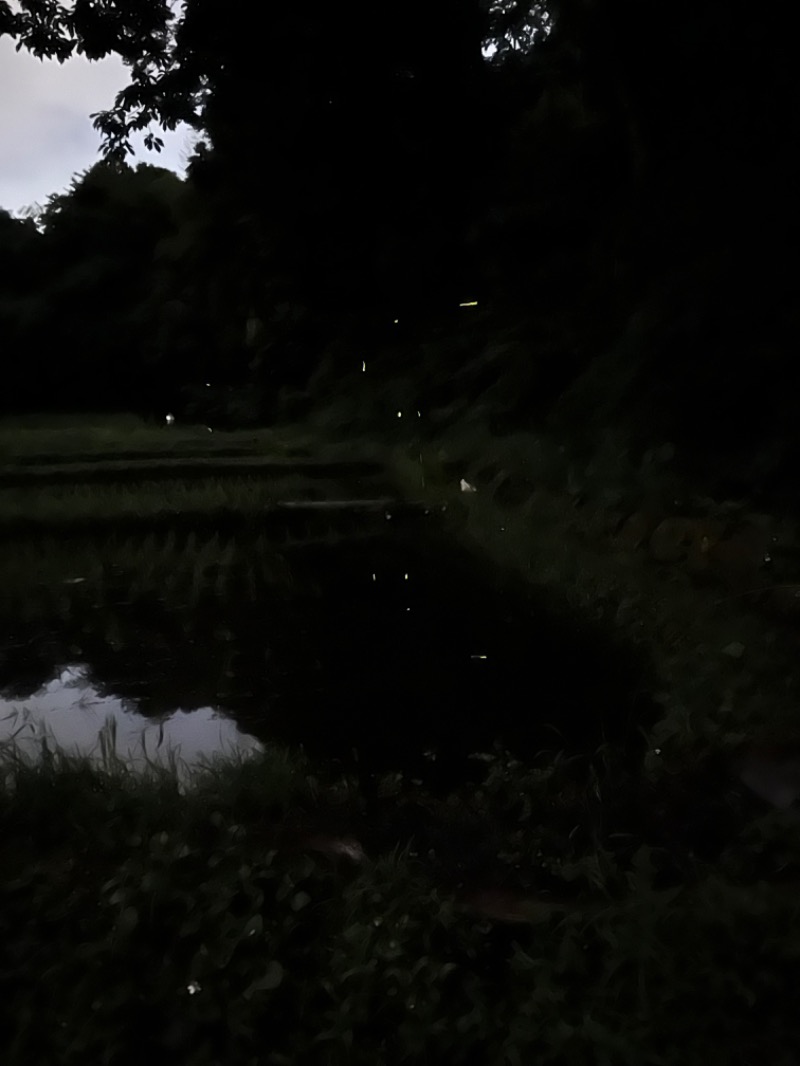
column 71, row 713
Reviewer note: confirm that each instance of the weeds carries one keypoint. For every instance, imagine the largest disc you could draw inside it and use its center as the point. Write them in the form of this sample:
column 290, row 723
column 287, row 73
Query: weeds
column 649, row 910
column 143, row 916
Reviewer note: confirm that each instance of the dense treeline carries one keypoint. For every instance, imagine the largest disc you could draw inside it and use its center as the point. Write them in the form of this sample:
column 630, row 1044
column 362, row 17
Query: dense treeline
column 109, row 297
column 615, row 186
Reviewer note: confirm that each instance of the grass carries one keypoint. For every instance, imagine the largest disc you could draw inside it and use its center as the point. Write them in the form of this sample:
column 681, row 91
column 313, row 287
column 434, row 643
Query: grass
column 550, row 520
column 569, row 911
column 271, row 948
column 63, row 504
column 60, row 436
column 67, row 438
column 67, row 503
column 39, row 508
column 63, row 472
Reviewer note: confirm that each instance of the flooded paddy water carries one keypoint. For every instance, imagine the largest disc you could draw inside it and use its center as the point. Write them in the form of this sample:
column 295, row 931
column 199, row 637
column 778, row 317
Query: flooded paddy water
column 359, row 635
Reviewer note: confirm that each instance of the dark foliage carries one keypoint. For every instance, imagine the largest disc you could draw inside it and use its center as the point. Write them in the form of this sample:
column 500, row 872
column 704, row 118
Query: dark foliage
column 615, row 185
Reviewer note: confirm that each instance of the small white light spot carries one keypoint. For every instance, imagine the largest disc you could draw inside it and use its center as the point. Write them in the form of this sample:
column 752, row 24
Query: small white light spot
column 210, row 430
column 208, row 384
column 419, row 415
column 396, row 321
column 469, row 303
column 479, row 656
column 363, row 366
column 399, row 414
column 466, row 487
column 169, row 419
column 405, row 577
column 193, row 988
column 408, row 608
column 374, row 577
column 657, row 751
column 388, row 516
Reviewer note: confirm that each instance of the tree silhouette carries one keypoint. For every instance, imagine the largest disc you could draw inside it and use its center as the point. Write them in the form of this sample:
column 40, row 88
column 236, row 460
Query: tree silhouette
column 86, row 313
column 370, row 156
column 613, row 179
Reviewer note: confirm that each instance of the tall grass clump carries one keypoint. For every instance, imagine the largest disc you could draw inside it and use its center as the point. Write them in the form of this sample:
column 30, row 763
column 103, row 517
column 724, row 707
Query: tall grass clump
column 145, row 917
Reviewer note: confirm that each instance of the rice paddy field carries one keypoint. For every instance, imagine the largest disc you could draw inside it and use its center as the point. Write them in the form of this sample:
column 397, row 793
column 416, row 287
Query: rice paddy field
column 310, row 754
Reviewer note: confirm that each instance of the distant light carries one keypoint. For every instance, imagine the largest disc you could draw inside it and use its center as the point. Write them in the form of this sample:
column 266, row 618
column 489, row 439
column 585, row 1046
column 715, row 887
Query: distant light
column 169, row 419
column 399, row 414
column 208, row 384
column 419, row 415
column 479, row 656
column 469, row 303
column 210, row 430
column 374, row 577
column 396, row 321
column 364, row 366
column 466, row 487
column 405, row 576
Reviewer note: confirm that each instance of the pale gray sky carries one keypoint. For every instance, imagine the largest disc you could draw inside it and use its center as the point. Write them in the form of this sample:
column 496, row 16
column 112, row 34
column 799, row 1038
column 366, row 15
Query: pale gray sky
column 46, row 135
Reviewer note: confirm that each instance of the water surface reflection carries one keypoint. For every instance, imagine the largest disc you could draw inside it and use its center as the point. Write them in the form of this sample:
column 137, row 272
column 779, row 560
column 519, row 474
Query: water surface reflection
column 376, row 653
column 71, row 714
